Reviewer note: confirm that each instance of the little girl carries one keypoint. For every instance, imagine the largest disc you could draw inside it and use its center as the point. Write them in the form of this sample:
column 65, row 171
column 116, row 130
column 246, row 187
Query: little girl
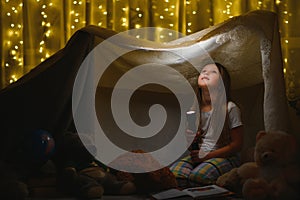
column 221, row 154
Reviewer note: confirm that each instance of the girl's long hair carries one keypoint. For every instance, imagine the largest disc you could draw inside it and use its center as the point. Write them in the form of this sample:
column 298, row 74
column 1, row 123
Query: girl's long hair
column 227, row 85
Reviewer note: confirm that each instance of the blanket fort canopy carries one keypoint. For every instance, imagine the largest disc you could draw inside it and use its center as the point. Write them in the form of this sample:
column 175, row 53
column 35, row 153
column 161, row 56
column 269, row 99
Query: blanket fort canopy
column 247, row 45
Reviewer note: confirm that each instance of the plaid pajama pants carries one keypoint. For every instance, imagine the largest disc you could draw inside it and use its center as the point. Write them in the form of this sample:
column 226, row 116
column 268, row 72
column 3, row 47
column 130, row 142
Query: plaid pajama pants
column 206, row 172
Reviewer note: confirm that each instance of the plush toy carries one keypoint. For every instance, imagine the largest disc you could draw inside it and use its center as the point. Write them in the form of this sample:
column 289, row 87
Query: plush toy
column 149, row 181
column 275, row 173
column 11, row 186
column 81, row 175
column 29, row 155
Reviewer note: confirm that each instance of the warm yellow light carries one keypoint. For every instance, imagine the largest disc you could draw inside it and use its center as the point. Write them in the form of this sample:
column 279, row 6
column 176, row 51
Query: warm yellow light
column 13, row 52
column 284, row 70
column 285, row 60
column 10, row 33
column 48, row 33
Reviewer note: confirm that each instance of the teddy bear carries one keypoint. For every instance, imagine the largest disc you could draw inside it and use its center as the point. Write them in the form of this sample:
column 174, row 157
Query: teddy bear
column 150, row 180
column 80, row 174
column 11, row 186
column 274, row 174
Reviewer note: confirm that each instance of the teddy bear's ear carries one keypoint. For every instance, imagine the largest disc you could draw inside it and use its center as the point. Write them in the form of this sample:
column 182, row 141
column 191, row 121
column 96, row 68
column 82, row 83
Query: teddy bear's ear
column 260, row 134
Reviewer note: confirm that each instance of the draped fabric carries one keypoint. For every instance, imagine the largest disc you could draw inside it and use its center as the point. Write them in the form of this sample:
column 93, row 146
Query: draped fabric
column 248, row 46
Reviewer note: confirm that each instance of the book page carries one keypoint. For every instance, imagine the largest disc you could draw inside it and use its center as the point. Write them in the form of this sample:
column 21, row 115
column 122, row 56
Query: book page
column 205, row 191
column 169, row 194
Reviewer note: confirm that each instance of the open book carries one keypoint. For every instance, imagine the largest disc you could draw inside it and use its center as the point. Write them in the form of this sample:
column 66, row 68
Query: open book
column 205, row 192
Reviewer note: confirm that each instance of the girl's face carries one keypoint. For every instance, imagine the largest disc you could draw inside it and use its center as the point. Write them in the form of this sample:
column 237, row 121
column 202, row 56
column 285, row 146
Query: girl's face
column 209, row 76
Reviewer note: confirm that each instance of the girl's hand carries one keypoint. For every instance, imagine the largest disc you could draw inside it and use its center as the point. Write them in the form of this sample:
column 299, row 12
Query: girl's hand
column 198, row 156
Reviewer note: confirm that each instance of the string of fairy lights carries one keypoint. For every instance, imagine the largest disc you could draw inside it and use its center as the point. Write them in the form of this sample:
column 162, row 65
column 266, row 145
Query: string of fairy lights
column 12, row 45
column 58, row 20
column 47, row 31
